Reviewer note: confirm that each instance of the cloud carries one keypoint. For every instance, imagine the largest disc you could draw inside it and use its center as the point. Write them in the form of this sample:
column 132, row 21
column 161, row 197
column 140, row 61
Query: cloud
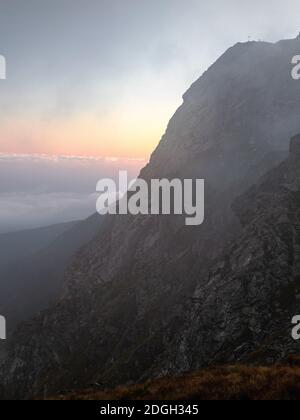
column 23, row 157
column 37, row 190
column 21, row 211
column 117, row 55
column 123, row 63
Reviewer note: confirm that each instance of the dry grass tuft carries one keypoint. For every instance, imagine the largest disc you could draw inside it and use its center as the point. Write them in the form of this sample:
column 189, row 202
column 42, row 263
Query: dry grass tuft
column 222, row 383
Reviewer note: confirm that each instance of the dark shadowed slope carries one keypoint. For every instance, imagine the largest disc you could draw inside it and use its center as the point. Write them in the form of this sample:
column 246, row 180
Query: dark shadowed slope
column 16, row 246
column 32, row 278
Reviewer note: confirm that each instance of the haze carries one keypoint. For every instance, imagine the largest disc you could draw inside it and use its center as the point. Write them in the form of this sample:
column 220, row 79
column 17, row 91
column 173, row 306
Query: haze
column 101, row 78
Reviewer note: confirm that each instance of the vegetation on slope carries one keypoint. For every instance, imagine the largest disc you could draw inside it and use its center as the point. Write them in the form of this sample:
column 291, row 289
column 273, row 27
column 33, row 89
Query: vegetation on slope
column 222, row 383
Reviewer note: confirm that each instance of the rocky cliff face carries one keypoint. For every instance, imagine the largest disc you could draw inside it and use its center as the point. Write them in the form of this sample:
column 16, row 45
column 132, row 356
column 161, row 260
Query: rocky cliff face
column 243, row 311
column 126, row 294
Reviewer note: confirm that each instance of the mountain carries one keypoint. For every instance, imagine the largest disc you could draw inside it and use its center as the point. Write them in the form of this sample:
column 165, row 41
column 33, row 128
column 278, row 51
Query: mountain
column 32, row 264
column 20, row 245
column 127, row 293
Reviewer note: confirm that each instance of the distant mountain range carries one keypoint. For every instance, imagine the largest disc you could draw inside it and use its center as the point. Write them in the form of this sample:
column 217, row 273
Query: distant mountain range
column 24, row 244
column 32, row 263
column 149, row 296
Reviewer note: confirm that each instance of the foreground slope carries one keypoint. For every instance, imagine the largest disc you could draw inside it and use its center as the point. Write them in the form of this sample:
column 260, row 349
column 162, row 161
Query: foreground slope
column 221, row 383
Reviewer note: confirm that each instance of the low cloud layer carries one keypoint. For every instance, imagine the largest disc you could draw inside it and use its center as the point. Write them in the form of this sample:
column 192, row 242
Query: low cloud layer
column 42, row 190
column 25, row 210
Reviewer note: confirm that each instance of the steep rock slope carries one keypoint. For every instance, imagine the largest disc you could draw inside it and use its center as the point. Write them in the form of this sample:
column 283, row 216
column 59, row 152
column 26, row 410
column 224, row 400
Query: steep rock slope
column 244, row 310
column 125, row 292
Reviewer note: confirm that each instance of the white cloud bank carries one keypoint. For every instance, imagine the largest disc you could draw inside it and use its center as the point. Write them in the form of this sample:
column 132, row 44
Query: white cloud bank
column 39, row 190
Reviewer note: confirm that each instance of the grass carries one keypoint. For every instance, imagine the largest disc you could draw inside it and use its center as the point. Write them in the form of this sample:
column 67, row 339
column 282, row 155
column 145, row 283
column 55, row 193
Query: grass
column 222, row 383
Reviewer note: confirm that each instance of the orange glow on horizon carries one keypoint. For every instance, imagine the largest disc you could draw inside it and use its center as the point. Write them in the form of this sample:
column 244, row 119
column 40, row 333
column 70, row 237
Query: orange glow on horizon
column 125, row 134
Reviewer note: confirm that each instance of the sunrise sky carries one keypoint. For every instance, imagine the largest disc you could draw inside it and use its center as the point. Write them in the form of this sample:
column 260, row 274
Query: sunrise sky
column 103, row 77
column 92, row 84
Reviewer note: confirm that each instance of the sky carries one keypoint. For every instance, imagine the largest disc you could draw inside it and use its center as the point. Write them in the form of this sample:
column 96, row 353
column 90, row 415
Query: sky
column 101, row 79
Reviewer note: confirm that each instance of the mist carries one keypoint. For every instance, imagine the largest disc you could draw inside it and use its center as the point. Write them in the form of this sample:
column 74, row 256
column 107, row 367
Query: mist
column 38, row 190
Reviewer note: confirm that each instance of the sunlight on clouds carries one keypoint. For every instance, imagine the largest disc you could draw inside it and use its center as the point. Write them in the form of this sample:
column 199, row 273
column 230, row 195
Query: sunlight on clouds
column 131, row 126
